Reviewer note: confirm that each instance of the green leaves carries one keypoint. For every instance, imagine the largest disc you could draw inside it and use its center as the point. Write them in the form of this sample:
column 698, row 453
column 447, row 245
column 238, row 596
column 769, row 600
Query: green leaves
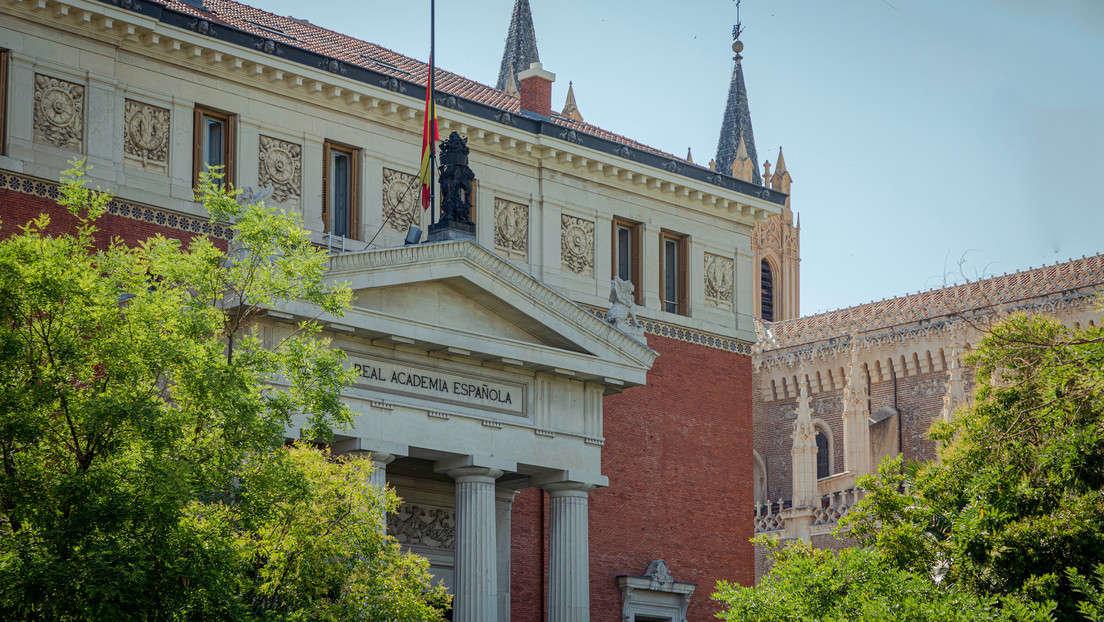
column 143, row 404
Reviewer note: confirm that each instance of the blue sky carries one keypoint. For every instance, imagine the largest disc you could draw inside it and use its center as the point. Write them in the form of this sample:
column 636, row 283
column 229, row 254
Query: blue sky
column 921, row 134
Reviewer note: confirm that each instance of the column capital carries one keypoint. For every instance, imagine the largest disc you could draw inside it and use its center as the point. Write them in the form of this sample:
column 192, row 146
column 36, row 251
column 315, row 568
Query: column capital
column 378, row 458
column 474, row 466
column 473, row 474
column 353, row 445
column 571, row 478
column 568, row 489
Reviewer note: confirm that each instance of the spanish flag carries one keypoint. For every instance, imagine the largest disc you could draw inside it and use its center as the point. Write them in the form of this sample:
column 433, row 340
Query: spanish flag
column 429, row 139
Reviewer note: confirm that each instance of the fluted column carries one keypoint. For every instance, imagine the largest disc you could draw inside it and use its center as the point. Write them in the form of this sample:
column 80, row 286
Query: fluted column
column 378, row 477
column 568, row 553
column 504, row 502
column 476, row 572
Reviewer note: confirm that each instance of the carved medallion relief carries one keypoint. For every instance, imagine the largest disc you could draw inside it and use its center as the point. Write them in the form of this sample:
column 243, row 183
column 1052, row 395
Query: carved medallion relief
column 426, row 526
column 511, row 229
column 718, row 281
column 146, row 136
column 280, row 165
column 401, row 194
column 577, row 245
column 58, row 113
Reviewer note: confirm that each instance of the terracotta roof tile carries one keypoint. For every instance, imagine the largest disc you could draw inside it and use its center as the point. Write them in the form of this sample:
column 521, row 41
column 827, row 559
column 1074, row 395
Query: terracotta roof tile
column 307, row 36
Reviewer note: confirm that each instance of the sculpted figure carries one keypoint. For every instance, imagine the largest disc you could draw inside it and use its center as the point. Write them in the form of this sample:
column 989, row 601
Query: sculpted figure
column 456, row 178
column 622, row 313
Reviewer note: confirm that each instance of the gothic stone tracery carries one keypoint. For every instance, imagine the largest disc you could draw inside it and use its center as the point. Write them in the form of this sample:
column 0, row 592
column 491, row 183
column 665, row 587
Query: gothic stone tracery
column 58, row 113
column 146, row 136
column 577, row 245
column 280, row 165
column 511, row 229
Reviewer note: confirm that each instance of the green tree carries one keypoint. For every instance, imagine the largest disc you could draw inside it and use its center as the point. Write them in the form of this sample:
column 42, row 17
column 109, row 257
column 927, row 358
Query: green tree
column 1013, row 510
column 142, row 417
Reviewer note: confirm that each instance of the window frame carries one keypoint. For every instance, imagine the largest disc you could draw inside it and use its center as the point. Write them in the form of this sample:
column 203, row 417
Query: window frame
column 682, row 270
column 636, row 255
column 199, row 135
column 3, row 101
column 353, row 153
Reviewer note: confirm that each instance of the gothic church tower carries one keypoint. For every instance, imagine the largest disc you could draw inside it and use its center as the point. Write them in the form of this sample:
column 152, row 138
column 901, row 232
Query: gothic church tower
column 775, row 241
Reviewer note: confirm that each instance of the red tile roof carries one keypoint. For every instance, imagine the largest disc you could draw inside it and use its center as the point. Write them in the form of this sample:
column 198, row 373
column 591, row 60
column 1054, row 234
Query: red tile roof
column 307, row 36
column 1087, row 272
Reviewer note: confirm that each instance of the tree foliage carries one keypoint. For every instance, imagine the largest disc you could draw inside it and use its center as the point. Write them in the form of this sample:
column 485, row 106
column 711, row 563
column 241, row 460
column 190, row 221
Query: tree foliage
column 142, row 417
column 1013, row 509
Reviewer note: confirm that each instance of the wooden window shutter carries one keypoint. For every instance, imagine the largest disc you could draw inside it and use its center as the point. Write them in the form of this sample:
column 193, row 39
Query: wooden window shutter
column 613, row 248
column 326, row 156
column 197, row 148
column 684, row 276
column 354, row 203
column 636, row 262
column 3, row 100
column 228, row 151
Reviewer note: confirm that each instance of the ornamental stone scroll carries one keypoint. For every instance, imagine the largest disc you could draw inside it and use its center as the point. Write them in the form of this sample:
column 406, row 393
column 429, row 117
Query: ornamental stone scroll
column 577, row 245
column 401, row 194
column 511, row 230
column 718, row 281
column 280, row 166
column 58, row 113
column 145, row 137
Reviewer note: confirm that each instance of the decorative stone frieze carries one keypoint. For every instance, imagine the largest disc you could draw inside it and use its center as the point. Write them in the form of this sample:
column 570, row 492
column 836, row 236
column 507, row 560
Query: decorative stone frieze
column 718, row 281
column 146, row 137
column 577, row 245
column 511, row 229
column 280, row 166
column 423, row 525
column 400, row 199
column 58, row 113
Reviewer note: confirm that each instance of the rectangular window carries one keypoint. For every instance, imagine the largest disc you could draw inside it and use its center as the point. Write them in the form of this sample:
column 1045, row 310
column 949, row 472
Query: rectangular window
column 339, row 190
column 213, row 145
column 674, row 253
column 627, row 246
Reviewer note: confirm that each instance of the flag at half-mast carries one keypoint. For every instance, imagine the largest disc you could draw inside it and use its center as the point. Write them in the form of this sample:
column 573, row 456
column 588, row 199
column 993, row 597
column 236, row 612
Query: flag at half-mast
column 429, row 139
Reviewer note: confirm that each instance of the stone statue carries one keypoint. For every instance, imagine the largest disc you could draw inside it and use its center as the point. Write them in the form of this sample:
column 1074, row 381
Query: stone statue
column 622, row 313
column 456, row 178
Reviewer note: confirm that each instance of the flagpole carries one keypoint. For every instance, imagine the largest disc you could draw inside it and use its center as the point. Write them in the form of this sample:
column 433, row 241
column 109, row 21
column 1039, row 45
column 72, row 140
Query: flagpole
column 434, row 216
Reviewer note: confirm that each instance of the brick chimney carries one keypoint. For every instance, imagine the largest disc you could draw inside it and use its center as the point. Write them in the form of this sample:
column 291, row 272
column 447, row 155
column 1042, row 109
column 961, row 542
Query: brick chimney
column 535, row 85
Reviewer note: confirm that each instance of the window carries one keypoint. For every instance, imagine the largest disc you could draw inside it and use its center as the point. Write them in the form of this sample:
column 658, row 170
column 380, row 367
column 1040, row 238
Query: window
column 339, row 190
column 213, row 145
column 627, row 245
column 674, row 253
column 766, row 291
column 3, row 99
column 824, row 457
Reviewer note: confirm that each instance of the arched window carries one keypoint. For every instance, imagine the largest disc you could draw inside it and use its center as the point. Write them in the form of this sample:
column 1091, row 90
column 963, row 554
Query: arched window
column 766, row 292
column 824, row 457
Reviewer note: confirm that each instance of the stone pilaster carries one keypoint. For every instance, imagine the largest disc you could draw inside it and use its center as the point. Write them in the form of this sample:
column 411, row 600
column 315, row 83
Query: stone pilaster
column 476, row 556
column 856, row 424
column 504, row 502
column 804, row 452
column 569, row 553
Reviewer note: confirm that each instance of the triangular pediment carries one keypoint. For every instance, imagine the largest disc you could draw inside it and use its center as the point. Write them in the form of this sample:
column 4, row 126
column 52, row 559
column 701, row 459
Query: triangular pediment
column 460, row 295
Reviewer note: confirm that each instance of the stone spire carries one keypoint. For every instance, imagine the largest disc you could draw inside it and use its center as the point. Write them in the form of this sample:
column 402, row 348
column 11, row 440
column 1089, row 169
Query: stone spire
column 511, row 86
column 737, row 121
column 856, row 425
column 521, row 46
column 804, row 452
column 571, row 111
column 743, row 167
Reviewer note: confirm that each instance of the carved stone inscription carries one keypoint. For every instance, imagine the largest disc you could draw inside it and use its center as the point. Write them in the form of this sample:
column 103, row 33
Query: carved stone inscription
column 58, row 113
column 280, row 166
column 718, row 281
column 427, row 526
column 425, row 383
column 577, row 245
column 146, row 136
column 511, row 229
column 400, row 200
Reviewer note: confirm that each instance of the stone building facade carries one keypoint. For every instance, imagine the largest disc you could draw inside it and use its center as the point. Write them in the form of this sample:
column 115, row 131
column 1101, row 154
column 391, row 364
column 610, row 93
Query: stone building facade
column 834, row 393
column 552, row 466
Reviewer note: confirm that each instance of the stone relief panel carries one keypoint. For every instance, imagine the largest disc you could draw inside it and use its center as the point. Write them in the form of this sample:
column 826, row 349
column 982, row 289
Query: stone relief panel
column 718, row 281
column 58, row 113
column 401, row 194
column 511, row 229
column 146, row 137
column 577, row 245
column 280, row 166
column 424, row 525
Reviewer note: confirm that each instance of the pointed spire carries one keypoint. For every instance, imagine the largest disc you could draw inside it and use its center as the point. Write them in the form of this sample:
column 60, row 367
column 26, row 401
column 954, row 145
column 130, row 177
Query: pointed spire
column 804, row 449
column 780, row 163
column 736, row 123
column 511, row 86
column 521, row 46
column 856, row 427
column 781, row 179
column 743, row 167
column 689, row 158
column 571, row 111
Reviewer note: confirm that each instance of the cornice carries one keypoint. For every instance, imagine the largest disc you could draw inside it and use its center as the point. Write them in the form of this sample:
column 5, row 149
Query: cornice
column 351, row 89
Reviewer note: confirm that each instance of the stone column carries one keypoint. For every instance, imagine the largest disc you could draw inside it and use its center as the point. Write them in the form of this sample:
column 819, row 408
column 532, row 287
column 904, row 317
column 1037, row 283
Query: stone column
column 504, row 502
column 569, row 553
column 476, row 557
column 378, row 478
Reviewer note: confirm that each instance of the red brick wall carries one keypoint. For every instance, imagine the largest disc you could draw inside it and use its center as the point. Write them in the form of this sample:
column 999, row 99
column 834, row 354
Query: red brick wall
column 678, row 457
column 17, row 209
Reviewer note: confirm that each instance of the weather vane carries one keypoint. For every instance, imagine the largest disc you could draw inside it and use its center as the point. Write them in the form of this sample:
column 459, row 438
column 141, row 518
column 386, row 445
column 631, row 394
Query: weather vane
column 738, row 29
